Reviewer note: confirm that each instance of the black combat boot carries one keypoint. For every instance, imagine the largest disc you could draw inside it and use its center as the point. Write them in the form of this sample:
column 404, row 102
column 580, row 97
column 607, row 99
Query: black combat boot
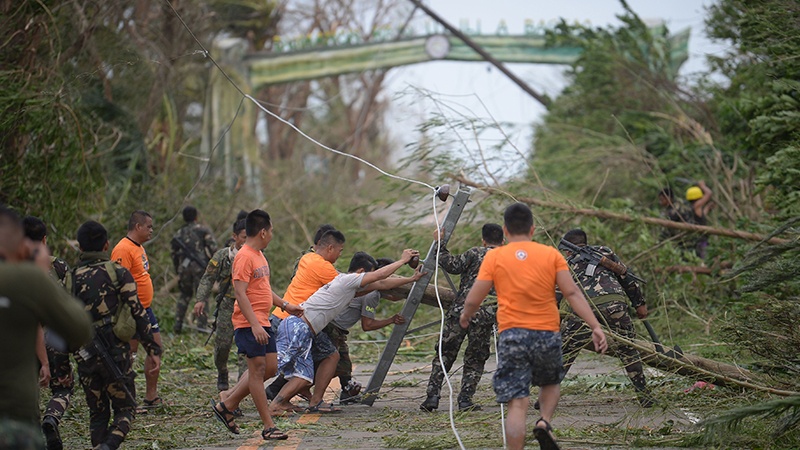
column 465, row 404
column 643, row 394
column 430, row 404
column 51, row 435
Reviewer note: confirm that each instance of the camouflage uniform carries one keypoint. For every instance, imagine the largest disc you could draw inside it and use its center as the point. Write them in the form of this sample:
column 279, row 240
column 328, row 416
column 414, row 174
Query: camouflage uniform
column 219, row 270
column 62, row 382
column 606, row 292
column 480, row 329
column 192, row 245
column 95, row 288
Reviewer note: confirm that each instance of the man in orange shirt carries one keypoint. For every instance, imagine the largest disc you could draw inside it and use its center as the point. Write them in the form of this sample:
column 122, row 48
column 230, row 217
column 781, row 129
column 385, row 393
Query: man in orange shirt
column 314, row 270
column 130, row 254
column 525, row 275
column 253, row 334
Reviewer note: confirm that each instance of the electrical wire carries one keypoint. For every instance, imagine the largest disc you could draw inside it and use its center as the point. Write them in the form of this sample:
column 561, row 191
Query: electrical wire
column 441, row 325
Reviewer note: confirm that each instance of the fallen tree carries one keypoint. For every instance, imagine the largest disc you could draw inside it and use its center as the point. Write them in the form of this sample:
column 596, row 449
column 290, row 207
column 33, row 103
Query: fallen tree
column 693, row 366
column 603, row 214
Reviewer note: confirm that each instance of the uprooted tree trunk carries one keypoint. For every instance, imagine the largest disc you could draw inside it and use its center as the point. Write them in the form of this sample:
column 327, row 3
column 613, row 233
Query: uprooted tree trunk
column 626, row 218
column 667, row 360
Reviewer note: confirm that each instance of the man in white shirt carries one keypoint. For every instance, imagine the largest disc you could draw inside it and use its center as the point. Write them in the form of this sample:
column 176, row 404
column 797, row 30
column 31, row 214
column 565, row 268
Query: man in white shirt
column 295, row 334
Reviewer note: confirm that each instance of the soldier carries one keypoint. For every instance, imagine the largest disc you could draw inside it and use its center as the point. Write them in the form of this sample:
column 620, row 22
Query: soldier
column 219, row 270
column 28, row 298
column 467, row 265
column 61, row 381
column 606, row 292
column 192, row 247
column 104, row 287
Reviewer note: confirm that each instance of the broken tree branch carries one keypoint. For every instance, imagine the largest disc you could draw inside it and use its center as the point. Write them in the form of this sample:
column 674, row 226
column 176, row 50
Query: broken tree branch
column 746, row 235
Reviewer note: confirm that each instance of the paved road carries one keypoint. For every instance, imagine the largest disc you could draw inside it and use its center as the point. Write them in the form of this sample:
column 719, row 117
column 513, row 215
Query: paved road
column 395, row 418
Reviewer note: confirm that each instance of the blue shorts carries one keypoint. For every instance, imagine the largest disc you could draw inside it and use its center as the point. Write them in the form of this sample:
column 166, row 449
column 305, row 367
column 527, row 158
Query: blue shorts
column 151, row 316
column 526, row 358
column 246, row 342
column 294, row 349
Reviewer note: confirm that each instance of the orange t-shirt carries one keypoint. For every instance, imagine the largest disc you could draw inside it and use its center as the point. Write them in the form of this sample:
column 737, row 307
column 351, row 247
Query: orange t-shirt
column 524, row 277
column 313, row 272
column 131, row 255
column 251, row 266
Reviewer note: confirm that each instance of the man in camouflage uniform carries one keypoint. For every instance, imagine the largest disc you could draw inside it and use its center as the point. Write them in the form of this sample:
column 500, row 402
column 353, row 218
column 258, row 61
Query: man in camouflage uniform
column 607, row 294
column 219, row 270
column 480, row 329
column 61, row 380
column 102, row 294
column 192, row 247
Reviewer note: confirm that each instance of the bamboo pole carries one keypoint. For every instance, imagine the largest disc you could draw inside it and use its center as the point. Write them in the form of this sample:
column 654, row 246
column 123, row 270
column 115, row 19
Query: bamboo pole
column 738, row 234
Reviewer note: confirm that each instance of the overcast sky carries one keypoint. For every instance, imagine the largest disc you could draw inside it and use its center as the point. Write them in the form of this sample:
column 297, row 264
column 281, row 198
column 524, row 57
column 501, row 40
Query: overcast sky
column 505, row 101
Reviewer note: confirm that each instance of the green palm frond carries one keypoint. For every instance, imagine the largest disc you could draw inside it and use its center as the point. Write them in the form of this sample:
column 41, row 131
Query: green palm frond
column 785, row 410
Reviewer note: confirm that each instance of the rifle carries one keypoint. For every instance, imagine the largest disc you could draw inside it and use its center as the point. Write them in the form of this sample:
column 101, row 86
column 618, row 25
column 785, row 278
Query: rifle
column 99, row 347
column 189, row 253
column 595, row 257
column 676, row 352
column 220, row 296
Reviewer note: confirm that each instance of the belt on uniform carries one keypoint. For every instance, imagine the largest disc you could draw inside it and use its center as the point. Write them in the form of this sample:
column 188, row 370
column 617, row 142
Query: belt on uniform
column 608, row 298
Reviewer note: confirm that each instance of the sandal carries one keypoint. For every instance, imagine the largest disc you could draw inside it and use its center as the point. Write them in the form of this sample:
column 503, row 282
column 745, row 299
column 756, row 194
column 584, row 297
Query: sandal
column 322, row 409
column 545, row 436
column 154, row 403
column 274, row 434
column 224, row 416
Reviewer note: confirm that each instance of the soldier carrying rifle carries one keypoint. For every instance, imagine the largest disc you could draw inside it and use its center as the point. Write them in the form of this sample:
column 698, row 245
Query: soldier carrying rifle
column 608, row 285
column 104, row 365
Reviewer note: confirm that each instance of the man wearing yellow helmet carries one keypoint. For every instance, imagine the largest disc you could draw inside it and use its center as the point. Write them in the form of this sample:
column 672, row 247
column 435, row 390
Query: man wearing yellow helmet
column 699, row 197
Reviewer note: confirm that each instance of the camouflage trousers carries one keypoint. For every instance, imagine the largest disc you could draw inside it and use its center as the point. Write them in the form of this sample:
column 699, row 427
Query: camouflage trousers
column 18, row 435
column 577, row 336
column 104, row 395
column 224, row 339
column 188, row 280
column 479, row 333
column 344, row 369
column 62, row 383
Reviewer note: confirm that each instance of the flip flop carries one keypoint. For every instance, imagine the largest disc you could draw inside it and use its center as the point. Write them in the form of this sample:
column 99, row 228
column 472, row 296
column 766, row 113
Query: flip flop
column 320, row 409
column 224, row 416
column 545, row 436
column 274, row 434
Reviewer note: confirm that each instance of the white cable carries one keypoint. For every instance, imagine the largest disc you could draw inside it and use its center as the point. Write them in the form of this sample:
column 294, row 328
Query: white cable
column 502, row 410
column 321, row 145
column 441, row 325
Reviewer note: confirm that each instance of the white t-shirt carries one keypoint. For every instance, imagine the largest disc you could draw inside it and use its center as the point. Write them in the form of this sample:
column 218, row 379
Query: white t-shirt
column 325, row 304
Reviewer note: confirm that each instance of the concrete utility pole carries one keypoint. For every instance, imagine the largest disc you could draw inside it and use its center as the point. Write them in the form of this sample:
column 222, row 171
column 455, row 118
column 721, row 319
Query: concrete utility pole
column 414, row 298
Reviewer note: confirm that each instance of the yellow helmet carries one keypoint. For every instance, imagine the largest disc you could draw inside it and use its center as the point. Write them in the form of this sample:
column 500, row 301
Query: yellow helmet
column 694, row 193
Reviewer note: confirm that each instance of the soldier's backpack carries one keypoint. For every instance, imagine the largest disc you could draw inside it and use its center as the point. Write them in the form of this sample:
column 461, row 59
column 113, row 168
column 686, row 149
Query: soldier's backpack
column 122, row 322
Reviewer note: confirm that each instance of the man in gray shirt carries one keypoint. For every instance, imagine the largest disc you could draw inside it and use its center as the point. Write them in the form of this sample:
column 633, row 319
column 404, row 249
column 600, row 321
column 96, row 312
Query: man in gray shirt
column 361, row 309
column 295, row 336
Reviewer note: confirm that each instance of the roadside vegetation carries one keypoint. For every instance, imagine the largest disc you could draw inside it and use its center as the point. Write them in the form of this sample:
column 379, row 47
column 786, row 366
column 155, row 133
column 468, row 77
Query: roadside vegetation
column 99, row 117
